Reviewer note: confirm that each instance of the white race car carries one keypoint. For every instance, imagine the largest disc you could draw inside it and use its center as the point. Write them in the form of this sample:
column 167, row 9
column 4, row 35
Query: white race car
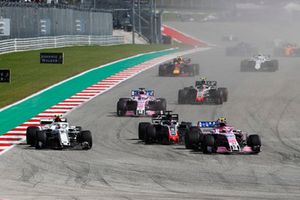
column 259, row 63
column 58, row 134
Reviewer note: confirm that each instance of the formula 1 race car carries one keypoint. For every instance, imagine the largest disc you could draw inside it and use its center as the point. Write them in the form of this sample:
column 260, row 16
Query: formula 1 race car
column 141, row 103
column 58, row 134
column 218, row 137
column 287, row 50
column 164, row 129
column 259, row 63
column 179, row 67
column 203, row 92
column 241, row 49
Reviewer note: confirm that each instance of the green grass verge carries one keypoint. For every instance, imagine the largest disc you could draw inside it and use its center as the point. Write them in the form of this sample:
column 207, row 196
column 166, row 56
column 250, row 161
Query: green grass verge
column 29, row 76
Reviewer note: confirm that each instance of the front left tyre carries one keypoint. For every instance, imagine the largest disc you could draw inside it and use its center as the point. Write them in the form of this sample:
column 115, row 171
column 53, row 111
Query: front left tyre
column 31, row 132
column 142, row 129
column 122, row 106
column 150, row 135
column 41, row 139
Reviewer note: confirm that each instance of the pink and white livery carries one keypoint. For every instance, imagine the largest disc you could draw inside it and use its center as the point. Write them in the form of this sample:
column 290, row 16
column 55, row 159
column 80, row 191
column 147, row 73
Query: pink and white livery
column 218, row 137
column 141, row 103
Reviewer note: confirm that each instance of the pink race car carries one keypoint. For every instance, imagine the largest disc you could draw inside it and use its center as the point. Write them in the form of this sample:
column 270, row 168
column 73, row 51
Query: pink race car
column 141, row 103
column 218, row 137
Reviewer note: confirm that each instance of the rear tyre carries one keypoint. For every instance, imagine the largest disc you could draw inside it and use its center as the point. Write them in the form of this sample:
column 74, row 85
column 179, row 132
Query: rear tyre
column 31, row 135
column 162, row 106
column 192, row 138
column 181, row 96
column 41, row 140
column 86, row 140
column 219, row 97
column 191, row 96
column 142, row 129
column 224, row 94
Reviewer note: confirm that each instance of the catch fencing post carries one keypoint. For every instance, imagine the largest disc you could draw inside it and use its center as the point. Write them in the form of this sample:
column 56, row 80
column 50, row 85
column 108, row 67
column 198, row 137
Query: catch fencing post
column 55, row 45
column 15, row 44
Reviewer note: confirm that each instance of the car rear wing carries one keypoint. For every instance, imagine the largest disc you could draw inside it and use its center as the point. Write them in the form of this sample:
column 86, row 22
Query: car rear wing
column 207, row 83
column 135, row 93
column 167, row 116
column 207, row 124
column 45, row 121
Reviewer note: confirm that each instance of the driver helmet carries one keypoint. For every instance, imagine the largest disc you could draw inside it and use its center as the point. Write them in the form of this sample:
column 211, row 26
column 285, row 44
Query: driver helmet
column 142, row 91
column 222, row 121
column 57, row 118
column 180, row 59
column 203, row 80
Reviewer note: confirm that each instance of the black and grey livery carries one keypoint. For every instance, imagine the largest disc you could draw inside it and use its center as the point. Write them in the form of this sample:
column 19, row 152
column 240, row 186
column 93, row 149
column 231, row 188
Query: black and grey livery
column 181, row 67
column 58, row 134
column 259, row 63
column 204, row 92
column 163, row 129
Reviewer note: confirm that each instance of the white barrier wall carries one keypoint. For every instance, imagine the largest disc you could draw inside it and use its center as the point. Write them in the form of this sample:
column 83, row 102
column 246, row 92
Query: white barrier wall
column 25, row 44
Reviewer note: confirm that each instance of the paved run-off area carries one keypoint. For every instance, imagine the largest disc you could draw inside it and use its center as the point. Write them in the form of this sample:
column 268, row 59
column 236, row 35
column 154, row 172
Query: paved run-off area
column 120, row 167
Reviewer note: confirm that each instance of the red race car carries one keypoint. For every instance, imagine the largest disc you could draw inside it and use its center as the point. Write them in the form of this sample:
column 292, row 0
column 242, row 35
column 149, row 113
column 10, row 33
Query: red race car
column 204, row 92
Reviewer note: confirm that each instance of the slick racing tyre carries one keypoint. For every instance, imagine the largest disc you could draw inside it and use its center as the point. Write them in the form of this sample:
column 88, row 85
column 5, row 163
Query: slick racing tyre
column 86, row 140
column 274, row 65
column 41, row 140
column 150, row 135
column 192, row 138
column 31, row 135
column 208, row 144
column 191, row 94
column 162, row 104
column 220, row 96
column 142, row 129
column 181, row 96
column 224, row 92
column 254, row 142
column 122, row 106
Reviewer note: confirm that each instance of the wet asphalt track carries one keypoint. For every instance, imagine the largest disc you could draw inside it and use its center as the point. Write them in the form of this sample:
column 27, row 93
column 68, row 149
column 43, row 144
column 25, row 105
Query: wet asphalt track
column 120, row 167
